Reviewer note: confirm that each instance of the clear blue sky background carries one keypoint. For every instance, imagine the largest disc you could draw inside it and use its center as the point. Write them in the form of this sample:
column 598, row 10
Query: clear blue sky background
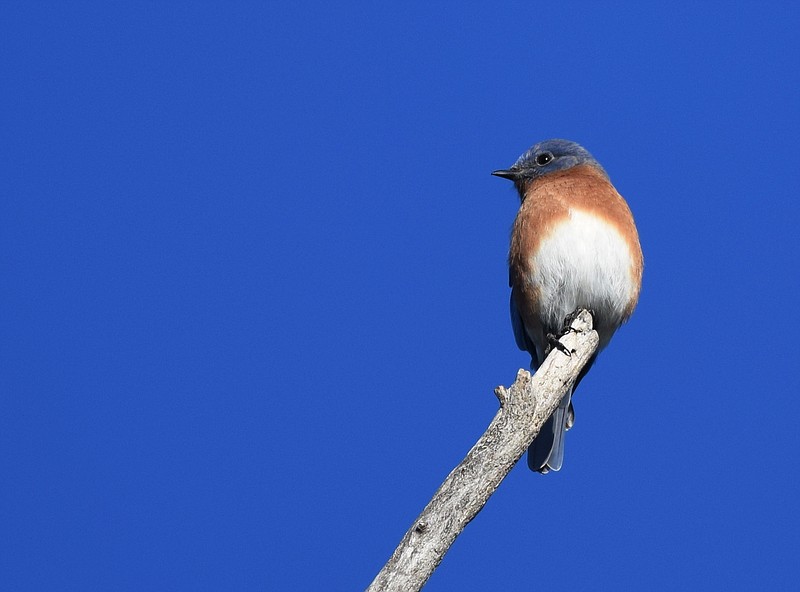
column 254, row 292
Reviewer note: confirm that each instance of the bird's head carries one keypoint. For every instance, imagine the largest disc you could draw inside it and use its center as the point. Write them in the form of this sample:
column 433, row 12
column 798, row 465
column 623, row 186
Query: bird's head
column 547, row 157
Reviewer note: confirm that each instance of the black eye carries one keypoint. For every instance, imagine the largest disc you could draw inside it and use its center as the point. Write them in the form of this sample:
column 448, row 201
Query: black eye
column 543, row 158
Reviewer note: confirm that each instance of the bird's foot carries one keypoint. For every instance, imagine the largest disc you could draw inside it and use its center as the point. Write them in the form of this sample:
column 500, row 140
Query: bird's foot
column 553, row 342
column 570, row 318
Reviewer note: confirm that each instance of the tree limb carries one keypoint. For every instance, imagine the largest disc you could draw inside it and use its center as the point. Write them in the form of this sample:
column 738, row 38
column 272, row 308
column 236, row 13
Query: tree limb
column 524, row 407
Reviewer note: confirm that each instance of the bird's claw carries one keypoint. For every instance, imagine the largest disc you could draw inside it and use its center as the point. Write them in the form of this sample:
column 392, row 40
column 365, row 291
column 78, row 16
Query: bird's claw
column 553, row 342
column 570, row 318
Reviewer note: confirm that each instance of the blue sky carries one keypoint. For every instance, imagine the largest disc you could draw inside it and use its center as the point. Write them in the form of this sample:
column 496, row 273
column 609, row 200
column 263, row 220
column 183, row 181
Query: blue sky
column 255, row 293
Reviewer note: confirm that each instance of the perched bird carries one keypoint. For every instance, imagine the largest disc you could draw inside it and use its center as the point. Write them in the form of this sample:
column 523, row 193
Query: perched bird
column 574, row 245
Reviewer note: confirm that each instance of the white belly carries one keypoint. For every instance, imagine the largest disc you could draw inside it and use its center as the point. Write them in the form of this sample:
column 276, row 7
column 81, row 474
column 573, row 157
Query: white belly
column 584, row 263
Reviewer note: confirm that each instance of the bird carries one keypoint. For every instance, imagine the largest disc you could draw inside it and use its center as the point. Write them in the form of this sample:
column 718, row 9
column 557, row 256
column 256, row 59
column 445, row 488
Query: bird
column 574, row 245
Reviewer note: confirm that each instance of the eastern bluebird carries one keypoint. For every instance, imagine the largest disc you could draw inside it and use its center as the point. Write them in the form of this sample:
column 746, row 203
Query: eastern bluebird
column 574, row 245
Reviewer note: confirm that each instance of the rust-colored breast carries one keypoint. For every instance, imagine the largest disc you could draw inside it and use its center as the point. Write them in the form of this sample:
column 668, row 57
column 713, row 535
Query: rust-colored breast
column 547, row 202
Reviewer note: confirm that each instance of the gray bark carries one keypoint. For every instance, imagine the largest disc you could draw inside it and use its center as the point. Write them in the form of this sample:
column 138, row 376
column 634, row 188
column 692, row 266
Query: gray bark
column 524, row 407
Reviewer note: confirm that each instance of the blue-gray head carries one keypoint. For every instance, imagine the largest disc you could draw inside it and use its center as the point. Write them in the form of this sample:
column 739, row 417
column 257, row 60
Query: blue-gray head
column 547, row 157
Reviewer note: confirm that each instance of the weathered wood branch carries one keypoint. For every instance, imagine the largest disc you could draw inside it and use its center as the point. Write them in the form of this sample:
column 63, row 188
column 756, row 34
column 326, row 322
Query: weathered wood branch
column 524, row 407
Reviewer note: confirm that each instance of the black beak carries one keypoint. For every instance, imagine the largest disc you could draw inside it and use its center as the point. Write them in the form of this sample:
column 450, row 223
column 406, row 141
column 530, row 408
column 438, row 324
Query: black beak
column 507, row 174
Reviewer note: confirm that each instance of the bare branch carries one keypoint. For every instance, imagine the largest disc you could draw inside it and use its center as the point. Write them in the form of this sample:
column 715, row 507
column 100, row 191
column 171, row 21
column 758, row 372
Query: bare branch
column 524, row 407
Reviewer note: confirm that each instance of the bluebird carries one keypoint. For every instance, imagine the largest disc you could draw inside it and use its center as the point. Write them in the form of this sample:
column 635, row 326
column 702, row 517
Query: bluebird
column 574, row 245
